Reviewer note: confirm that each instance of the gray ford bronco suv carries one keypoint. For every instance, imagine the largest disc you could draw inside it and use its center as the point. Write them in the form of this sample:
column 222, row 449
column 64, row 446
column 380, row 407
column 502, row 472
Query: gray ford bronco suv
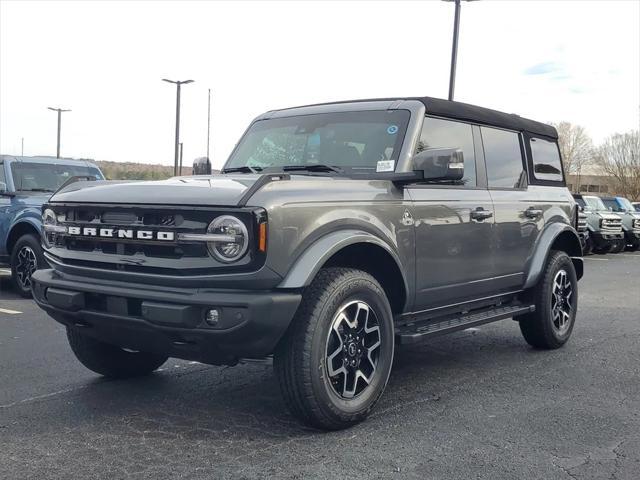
column 333, row 233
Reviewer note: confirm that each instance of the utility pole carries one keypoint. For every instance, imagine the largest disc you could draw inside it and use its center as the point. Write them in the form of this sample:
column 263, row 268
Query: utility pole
column 178, row 84
column 454, row 47
column 208, row 122
column 180, row 159
column 59, row 110
column 22, row 147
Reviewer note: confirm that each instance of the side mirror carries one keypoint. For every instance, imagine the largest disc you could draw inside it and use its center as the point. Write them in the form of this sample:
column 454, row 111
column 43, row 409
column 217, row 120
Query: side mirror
column 3, row 189
column 440, row 164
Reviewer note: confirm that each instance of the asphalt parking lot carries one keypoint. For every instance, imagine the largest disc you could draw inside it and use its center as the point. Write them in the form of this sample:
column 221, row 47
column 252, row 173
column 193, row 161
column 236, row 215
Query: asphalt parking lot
column 477, row 404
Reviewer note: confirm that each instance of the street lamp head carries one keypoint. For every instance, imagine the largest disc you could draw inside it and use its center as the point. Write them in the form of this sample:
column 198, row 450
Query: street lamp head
column 177, row 82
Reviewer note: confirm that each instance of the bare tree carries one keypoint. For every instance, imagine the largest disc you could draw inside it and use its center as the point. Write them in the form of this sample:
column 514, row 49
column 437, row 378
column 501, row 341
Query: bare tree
column 619, row 157
column 576, row 148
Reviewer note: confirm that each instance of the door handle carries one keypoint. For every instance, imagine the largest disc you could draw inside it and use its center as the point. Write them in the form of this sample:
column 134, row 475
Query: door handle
column 480, row 214
column 532, row 212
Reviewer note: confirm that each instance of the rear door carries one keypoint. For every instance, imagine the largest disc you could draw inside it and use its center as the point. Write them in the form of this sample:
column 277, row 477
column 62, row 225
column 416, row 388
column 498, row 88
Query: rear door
column 453, row 223
column 519, row 210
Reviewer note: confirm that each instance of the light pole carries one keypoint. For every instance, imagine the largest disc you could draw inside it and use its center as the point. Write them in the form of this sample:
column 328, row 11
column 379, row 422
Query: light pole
column 178, row 84
column 59, row 110
column 208, row 122
column 454, row 47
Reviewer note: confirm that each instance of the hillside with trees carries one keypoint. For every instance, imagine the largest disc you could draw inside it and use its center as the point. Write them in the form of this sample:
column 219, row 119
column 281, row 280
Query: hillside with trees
column 137, row 171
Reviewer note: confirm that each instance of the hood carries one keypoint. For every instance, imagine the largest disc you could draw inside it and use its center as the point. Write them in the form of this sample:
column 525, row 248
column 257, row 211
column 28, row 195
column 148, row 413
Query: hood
column 214, row 190
column 609, row 215
column 33, row 199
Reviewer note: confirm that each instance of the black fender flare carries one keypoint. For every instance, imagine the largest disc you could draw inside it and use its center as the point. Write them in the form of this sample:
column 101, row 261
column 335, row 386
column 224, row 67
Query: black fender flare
column 543, row 247
column 305, row 268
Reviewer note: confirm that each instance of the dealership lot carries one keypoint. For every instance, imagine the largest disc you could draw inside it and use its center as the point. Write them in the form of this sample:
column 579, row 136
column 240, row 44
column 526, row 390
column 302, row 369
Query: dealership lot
column 478, row 404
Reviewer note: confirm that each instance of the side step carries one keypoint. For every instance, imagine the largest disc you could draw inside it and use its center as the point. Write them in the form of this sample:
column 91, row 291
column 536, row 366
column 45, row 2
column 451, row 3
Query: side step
column 420, row 330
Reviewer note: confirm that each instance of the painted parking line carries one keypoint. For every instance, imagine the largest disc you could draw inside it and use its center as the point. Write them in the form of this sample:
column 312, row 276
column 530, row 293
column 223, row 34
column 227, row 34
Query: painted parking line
column 628, row 255
column 10, row 312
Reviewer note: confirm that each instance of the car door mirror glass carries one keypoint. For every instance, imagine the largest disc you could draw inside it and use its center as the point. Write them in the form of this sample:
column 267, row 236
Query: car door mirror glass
column 3, row 187
column 440, row 164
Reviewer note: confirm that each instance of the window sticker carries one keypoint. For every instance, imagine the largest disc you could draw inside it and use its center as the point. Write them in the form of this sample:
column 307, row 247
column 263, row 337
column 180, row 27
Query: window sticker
column 386, row 166
column 392, row 129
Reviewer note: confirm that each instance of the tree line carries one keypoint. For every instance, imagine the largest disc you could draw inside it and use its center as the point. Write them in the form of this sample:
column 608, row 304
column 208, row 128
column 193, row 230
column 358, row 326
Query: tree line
column 617, row 157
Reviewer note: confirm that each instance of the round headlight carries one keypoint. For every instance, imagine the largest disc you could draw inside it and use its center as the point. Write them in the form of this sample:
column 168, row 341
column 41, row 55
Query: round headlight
column 228, row 250
column 49, row 218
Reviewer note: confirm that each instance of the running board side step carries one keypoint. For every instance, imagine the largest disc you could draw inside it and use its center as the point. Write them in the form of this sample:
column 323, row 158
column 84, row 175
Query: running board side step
column 420, row 330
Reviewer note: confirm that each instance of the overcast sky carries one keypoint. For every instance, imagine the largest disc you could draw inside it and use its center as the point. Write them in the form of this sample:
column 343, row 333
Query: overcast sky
column 547, row 60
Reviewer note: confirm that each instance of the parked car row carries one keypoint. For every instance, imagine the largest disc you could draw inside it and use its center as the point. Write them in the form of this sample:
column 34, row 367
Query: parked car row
column 607, row 224
column 26, row 183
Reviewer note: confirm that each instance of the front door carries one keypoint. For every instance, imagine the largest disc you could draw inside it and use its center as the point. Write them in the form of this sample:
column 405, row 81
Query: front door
column 453, row 224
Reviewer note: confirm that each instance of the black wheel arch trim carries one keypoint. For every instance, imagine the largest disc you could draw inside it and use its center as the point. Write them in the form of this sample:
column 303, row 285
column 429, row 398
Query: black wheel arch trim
column 306, row 267
column 543, row 247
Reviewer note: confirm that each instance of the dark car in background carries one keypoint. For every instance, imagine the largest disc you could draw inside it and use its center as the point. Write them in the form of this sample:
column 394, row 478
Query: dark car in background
column 25, row 184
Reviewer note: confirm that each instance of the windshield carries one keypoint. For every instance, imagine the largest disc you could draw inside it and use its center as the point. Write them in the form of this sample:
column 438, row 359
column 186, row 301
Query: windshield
column 369, row 141
column 626, row 205
column 47, row 177
column 613, row 205
column 595, row 203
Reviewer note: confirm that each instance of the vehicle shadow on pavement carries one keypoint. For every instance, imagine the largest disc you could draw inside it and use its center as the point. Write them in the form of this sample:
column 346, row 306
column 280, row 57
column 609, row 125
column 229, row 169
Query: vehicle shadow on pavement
column 196, row 401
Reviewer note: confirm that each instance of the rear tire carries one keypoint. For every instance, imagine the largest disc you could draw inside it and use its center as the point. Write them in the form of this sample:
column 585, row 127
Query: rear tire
column 26, row 258
column 556, row 300
column 334, row 362
column 109, row 360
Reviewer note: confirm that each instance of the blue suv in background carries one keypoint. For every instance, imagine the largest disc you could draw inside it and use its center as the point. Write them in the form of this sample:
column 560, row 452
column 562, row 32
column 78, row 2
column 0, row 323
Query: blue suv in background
column 25, row 184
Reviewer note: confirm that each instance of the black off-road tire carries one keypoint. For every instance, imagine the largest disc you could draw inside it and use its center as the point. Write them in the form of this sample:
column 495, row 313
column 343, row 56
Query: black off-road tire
column 618, row 246
column 538, row 328
column 26, row 258
column 109, row 360
column 301, row 358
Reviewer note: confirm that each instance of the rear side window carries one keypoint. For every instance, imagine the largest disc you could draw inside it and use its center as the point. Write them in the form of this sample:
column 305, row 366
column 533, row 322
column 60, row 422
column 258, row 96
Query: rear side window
column 503, row 157
column 546, row 160
column 2, row 177
column 437, row 133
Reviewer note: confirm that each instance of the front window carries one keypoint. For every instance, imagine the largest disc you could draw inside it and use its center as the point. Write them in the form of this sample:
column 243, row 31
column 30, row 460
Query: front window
column 368, row 141
column 47, row 177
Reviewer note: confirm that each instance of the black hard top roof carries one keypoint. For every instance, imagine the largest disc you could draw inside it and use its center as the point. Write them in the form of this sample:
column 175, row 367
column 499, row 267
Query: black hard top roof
column 474, row 114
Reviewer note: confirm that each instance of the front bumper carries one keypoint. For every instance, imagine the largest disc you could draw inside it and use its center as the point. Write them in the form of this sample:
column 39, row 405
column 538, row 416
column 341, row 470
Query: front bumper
column 169, row 321
column 600, row 238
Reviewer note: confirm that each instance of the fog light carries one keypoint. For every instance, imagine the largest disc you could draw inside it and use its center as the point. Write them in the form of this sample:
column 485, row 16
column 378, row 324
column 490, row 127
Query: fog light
column 212, row 317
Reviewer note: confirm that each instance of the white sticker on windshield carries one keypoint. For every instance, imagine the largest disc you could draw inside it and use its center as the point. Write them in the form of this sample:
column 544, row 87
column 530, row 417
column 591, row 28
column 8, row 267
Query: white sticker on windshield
column 386, row 166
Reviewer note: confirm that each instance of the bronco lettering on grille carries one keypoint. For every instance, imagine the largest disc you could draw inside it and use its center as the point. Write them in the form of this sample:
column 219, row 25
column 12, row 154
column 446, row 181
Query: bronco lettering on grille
column 122, row 233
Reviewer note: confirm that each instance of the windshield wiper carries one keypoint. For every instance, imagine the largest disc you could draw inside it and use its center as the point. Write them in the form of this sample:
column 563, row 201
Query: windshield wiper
column 243, row 169
column 35, row 190
column 313, row 167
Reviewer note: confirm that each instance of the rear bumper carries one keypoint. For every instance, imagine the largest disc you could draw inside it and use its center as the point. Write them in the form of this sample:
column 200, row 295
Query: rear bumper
column 169, row 321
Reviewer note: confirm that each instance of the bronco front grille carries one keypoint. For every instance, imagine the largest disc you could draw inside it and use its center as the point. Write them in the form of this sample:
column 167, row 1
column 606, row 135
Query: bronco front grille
column 126, row 251
column 636, row 226
column 611, row 226
column 582, row 222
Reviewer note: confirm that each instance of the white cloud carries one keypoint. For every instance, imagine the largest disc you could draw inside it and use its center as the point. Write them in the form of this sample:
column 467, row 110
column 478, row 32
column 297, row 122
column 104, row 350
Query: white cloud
column 105, row 62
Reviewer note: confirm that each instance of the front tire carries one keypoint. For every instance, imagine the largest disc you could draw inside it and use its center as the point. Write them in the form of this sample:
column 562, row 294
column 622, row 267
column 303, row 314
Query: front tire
column 556, row 301
column 26, row 258
column 334, row 362
column 618, row 246
column 109, row 360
